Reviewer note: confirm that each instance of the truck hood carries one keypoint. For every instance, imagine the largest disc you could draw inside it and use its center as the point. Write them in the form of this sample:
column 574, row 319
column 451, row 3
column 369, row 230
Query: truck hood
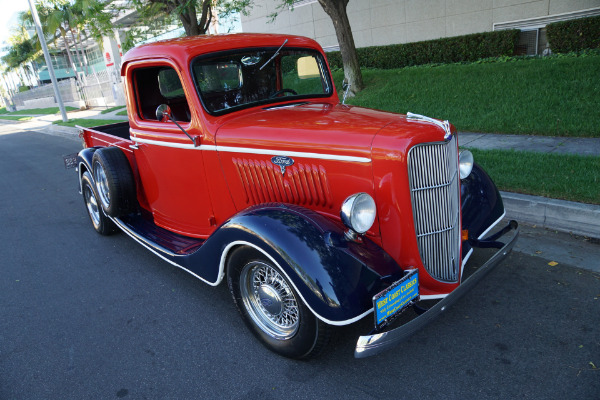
column 328, row 129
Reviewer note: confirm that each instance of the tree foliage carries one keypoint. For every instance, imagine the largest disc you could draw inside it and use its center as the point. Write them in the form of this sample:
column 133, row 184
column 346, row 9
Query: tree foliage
column 19, row 54
column 22, row 49
column 69, row 19
column 195, row 16
column 59, row 18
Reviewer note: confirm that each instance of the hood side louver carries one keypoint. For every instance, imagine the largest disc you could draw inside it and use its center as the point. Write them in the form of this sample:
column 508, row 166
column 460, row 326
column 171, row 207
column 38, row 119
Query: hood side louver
column 302, row 184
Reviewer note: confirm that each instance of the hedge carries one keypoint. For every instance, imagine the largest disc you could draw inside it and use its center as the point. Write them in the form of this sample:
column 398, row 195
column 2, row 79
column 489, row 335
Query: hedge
column 447, row 50
column 574, row 35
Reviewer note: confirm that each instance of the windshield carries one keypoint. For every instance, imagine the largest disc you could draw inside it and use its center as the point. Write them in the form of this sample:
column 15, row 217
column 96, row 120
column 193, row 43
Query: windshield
column 232, row 80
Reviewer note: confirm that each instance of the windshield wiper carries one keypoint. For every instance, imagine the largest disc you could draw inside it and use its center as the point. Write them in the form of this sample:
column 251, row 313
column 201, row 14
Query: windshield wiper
column 274, row 55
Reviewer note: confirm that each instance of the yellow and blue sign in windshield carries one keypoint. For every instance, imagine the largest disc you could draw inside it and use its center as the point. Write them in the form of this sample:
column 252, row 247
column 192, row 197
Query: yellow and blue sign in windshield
column 394, row 299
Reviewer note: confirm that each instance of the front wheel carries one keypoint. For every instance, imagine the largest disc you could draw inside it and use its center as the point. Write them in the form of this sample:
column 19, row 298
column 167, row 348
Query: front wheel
column 271, row 308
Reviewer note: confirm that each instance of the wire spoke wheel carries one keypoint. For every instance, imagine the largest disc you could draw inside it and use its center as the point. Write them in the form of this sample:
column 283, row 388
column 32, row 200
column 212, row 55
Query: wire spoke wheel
column 271, row 307
column 92, row 204
column 269, row 300
column 102, row 184
column 102, row 224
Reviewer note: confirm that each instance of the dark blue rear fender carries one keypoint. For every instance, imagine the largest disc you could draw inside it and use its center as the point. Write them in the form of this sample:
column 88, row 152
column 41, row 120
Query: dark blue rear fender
column 84, row 161
column 482, row 205
column 336, row 278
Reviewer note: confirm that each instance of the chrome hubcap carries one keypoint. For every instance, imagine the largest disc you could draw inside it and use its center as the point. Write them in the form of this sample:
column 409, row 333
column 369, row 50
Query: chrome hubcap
column 92, row 204
column 269, row 300
column 101, row 185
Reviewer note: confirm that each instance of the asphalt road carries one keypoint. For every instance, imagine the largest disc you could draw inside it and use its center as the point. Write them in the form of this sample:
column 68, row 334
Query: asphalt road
column 89, row 317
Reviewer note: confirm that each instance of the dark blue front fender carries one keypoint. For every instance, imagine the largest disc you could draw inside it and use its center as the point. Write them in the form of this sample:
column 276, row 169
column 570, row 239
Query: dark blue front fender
column 336, row 278
column 481, row 202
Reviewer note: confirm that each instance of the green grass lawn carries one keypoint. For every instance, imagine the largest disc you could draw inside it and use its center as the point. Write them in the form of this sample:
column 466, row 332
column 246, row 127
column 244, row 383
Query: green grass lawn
column 556, row 96
column 42, row 111
column 124, row 112
column 15, row 117
column 111, row 109
column 88, row 123
column 566, row 177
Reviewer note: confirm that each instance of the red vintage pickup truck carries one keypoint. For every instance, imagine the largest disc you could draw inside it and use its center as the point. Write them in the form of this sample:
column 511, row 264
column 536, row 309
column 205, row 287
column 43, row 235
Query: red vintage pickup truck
column 239, row 163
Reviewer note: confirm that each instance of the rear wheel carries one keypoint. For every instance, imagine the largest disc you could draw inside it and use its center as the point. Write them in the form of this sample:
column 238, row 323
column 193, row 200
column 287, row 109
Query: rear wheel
column 115, row 185
column 102, row 224
column 271, row 308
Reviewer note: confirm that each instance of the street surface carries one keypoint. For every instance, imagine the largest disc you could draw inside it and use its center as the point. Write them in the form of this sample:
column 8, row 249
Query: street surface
column 89, row 317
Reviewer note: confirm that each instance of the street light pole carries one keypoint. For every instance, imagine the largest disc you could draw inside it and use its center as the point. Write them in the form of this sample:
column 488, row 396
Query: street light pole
column 38, row 27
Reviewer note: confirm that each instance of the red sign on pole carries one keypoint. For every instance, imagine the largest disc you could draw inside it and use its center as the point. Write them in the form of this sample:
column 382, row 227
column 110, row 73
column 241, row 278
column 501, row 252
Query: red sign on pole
column 108, row 60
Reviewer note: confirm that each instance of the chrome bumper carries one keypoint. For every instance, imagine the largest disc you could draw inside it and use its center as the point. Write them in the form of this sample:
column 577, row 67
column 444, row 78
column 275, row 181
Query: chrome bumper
column 370, row 345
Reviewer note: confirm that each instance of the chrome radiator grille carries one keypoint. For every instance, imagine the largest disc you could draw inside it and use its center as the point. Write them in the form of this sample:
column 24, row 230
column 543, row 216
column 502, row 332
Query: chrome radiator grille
column 433, row 175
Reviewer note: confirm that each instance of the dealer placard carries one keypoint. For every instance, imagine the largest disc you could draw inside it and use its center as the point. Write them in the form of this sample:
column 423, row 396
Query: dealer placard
column 392, row 301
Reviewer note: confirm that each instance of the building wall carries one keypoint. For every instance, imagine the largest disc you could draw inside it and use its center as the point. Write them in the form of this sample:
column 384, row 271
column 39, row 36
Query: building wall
column 381, row 22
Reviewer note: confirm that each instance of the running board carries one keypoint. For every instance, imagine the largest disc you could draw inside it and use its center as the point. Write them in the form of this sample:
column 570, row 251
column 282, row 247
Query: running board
column 160, row 239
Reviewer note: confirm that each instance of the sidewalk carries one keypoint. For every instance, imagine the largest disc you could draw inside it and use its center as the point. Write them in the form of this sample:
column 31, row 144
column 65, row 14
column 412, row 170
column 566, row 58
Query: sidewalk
column 44, row 123
column 567, row 216
column 542, row 144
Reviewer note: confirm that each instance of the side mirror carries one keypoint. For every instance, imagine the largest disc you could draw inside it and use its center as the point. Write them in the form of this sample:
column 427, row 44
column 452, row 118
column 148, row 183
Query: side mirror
column 163, row 113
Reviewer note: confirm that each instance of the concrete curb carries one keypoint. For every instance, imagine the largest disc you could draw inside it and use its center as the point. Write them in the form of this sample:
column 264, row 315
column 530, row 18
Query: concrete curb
column 63, row 129
column 567, row 216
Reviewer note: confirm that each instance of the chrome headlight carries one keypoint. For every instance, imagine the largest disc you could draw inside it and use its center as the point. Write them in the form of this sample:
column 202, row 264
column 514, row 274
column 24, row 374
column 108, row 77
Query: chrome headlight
column 465, row 163
column 358, row 212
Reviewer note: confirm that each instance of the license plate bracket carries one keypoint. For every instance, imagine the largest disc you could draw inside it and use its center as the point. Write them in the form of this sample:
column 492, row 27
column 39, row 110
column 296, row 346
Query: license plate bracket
column 70, row 161
column 391, row 302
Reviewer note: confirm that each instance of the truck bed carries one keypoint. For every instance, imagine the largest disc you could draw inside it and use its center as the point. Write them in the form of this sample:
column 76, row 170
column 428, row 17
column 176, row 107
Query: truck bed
column 120, row 129
column 107, row 135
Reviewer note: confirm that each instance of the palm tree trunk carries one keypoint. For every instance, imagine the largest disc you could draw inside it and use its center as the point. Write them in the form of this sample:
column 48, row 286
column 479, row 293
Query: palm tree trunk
column 78, row 58
column 85, row 60
column 63, row 33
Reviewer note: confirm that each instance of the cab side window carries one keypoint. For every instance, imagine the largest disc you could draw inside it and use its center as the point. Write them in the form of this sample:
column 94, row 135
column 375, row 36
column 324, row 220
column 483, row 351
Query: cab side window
column 160, row 85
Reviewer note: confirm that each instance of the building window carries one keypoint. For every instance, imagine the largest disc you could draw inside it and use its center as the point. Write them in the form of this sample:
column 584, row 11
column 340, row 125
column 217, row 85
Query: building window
column 94, row 55
column 532, row 42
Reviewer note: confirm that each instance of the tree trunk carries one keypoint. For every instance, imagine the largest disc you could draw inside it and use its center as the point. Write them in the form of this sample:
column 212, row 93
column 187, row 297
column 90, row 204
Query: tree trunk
column 85, row 60
column 336, row 9
column 189, row 19
column 63, row 33
column 19, row 73
column 206, row 17
column 77, row 49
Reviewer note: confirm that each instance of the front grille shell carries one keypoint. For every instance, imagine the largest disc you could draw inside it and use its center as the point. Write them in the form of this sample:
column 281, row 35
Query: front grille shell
column 435, row 195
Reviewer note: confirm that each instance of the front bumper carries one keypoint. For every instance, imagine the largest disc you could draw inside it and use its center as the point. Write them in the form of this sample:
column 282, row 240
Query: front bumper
column 370, row 345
